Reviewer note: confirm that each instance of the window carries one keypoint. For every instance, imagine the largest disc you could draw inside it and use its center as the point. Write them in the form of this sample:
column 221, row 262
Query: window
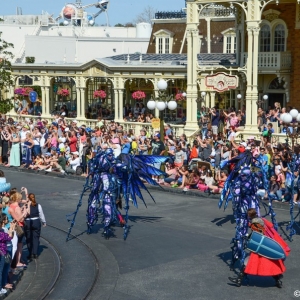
column 265, row 38
column 167, row 45
column 163, row 41
column 228, row 46
column 273, row 36
column 279, row 38
column 160, row 45
column 229, row 40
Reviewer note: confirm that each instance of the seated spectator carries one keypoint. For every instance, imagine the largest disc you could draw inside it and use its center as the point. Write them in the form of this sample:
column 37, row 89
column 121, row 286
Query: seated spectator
column 73, row 163
column 221, row 177
column 190, row 180
column 182, row 171
column 172, row 174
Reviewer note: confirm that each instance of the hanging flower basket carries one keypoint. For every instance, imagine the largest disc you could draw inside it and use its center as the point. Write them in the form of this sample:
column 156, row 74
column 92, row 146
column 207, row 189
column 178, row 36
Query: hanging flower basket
column 99, row 94
column 138, row 95
column 179, row 97
column 23, row 91
column 63, row 92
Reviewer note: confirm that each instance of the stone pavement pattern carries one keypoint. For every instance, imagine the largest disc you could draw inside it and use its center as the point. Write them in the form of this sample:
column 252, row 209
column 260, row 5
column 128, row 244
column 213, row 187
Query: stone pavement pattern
column 178, row 248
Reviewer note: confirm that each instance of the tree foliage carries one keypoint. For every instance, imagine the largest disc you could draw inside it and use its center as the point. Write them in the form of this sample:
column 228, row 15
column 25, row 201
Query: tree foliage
column 147, row 15
column 6, row 79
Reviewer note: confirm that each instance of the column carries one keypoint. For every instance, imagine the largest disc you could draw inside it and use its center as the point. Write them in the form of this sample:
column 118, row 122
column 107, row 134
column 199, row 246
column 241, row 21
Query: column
column 255, row 75
column 116, row 104
column 121, row 104
column 208, row 35
column 47, row 99
column 236, row 103
column 78, row 101
column 193, row 47
column 212, row 99
column 43, row 101
column 248, row 97
column 207, row 104
column 82, row 99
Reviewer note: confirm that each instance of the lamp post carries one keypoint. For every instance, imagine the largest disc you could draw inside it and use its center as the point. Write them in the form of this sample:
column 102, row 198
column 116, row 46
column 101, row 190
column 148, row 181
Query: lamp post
column 264, row 99
column 292, row 120
column 202, row 98
column 162, row 102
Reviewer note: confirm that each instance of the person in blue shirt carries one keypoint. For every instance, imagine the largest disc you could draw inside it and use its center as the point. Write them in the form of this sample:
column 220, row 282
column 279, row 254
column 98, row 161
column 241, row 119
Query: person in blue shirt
column 126, row 145
column 263, row 159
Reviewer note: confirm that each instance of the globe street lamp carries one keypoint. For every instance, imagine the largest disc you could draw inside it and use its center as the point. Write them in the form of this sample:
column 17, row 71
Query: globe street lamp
column 292, row 120
column 162, row 102
column 202, row 98
column 264, row 99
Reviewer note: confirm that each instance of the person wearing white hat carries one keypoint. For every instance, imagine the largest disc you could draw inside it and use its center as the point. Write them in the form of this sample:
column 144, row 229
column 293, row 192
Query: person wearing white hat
column 241, row 147
column 74, row 162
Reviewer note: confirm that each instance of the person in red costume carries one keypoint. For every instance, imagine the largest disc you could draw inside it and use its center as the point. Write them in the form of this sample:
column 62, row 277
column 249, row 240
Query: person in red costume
column 257, row 264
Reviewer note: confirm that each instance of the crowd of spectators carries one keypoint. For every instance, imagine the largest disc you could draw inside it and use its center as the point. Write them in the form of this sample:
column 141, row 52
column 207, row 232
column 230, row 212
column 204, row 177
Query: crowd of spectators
column 64, row 146
column 21, row 216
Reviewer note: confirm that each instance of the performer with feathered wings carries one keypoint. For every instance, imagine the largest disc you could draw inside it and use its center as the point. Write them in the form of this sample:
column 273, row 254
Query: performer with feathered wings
column 241, row 187
column 112, row 179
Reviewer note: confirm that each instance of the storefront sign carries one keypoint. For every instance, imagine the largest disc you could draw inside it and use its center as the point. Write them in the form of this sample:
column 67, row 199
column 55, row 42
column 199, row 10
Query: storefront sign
column 155, row 122
column 221, row 82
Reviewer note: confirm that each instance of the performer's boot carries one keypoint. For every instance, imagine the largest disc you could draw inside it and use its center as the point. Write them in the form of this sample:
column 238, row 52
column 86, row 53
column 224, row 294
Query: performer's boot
column 238, row 280
column 278, row 281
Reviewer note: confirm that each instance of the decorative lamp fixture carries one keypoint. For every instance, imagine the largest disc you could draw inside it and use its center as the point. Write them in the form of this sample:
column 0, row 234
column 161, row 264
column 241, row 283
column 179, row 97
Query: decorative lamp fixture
column 161, row 105
column 151, row 104
column 172, row 105
column 162, row 84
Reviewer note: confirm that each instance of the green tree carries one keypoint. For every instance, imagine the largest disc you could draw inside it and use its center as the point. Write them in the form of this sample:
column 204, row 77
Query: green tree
column 119, row 25
column 6, row 79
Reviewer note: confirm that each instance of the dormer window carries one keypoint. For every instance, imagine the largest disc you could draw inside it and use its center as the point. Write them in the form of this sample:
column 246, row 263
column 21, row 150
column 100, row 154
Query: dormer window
column 164, row 41
column 229, row 40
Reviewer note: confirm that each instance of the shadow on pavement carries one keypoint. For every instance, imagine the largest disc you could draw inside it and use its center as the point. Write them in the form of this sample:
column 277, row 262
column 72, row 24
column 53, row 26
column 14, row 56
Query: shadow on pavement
column 224, row 220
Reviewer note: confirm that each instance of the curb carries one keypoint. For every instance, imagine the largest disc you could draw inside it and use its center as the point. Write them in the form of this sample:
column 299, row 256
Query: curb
column 192, row 193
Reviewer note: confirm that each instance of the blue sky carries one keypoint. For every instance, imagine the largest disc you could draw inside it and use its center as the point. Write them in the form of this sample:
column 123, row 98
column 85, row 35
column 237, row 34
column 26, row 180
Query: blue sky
column 120, row 11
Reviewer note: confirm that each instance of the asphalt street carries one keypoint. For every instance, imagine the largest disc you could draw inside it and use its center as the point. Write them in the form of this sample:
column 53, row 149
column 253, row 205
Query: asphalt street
column 177, row 248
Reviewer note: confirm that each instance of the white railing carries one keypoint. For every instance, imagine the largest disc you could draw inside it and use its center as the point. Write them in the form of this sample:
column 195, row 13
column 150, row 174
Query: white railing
column 271, row 60
column 134, row 126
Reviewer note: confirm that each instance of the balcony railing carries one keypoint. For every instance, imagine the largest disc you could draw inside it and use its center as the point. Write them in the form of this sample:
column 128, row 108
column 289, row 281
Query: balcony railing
column 271, row 60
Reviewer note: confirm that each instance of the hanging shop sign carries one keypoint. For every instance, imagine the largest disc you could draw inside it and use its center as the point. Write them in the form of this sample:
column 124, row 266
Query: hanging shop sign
column 221, row 82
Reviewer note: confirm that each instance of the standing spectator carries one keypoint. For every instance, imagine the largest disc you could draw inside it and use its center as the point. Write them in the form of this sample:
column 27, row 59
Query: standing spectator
column 33, row 226
column 157, row 148
column 19, row 216
column 23, row 132
column 27, row 150
column 36, row 135
column 14, row 158
column 178, row 157
column 72, row 140
column 215, row 119
column 5, row 137
column 4, row 239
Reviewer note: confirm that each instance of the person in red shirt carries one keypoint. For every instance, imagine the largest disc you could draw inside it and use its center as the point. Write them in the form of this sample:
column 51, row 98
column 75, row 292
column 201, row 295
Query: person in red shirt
column 72, row 140
column 241, row 147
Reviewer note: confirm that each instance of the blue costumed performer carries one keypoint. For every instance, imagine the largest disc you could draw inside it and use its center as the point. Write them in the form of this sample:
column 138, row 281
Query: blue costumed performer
column 112, row 179
column 241, row 187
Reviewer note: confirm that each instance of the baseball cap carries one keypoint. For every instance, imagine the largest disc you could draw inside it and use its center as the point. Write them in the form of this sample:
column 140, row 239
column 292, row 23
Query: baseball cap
column 243, row 144
column 157, row 135
column 76, row 153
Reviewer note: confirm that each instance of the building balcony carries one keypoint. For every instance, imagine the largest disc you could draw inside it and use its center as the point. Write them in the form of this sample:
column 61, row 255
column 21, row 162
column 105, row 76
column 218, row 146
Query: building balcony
column 271, row 61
